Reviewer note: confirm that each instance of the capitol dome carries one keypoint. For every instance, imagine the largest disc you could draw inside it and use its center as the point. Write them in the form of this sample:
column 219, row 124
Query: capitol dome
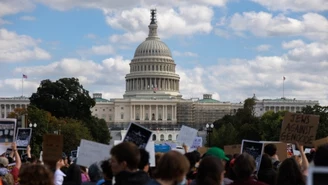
column 152, row 47
column 152, row 69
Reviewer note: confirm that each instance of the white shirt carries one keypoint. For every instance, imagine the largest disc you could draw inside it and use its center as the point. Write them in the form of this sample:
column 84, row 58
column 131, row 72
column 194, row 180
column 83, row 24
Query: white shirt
column 59, row 177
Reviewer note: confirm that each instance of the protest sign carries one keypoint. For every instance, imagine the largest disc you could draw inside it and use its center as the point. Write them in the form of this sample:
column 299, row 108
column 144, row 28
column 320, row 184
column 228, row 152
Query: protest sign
column 52, row 148
column 91, row 152
column 301, row 128
column 187, row 135
column 232, row 149
column 255, row 149
column 198, row 142
column 320, row 142
column 138, row 135
column 23, row 138
column 282, row 149
column 7, row 131
column 202, row 150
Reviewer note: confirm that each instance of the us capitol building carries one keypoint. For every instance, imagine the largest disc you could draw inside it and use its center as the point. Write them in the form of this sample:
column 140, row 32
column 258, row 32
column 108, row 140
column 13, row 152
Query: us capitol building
column 152, row 97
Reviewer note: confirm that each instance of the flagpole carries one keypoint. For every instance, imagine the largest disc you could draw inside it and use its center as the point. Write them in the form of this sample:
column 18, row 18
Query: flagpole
column 283, row 87
column 22, row 86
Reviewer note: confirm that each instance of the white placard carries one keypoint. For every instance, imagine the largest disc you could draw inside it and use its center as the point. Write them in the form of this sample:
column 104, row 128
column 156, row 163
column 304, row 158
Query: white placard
column 198, row 142
column 187, row 135
column 91, row 152
column 150, row 148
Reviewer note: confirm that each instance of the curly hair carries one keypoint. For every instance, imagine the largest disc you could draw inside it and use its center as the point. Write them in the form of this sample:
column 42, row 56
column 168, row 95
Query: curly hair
column 35, row 174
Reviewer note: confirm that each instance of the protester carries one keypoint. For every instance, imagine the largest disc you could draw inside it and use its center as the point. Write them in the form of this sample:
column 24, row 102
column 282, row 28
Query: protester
column 5, row 175
column 244, row 167
column 210, row 171
column 290, row 173
column 73, row 176
column 107, row 173
column 321, row 160
column 124, row 162
column 172, row 169
column 95, row 174
column 35, row 174
column 266, row 172
column 144, row 160
column 271, row 150
column 84, row 174
column 59, row 175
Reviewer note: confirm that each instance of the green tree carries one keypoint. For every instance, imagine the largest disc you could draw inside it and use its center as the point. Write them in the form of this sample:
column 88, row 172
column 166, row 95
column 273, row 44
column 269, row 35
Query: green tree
column 271, row 124
column 73, row 131
column 322, row 111
column 98, row 129
column 225, row 135
column 63, row 98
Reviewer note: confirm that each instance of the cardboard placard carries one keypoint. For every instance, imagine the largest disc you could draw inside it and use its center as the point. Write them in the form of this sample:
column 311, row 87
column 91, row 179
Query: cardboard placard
column 255, row 149
column 23, row 138
column 138, row 135
column 202, row 150
column 320, row 142
column 301, row 128
column 187, row 135
column 232, row 149
column 91, row 152
column 52, row 148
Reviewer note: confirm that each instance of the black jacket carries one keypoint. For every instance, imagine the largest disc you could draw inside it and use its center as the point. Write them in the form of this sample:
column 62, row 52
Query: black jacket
column 131, row 178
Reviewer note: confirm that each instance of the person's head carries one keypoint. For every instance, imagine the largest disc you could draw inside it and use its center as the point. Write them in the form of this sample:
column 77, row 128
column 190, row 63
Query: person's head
column 210, row 171
column 107, row 169
column 290, row 173
column 31, row 174
column 144, row 160
column 158, row 156
column 125, row 157
column 3, row 162
column 244, row 166
column 298, row 159
column 33, row 159
column 217, row 152
column 73, row 174
column 173, row 166
column 191, row 158
column 270, row 149
column 266, row 162
column 94, row 172
column 320, row 156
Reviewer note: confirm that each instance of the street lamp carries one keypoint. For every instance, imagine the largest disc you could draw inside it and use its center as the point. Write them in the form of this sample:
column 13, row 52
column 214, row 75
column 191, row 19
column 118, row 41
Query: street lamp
column 32, row 125
column 209, row 130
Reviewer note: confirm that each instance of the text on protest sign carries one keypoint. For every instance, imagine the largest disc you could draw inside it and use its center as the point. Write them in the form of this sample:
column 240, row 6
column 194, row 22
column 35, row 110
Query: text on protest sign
column 187, row 135
column 301, row 128
column 91, row 152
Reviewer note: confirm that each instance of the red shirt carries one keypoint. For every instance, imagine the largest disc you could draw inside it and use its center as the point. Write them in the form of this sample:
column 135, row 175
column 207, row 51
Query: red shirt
column 14, row 172
column 250, row 181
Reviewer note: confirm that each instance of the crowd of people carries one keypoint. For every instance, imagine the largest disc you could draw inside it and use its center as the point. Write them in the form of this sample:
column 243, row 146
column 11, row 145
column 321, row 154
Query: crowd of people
column 129, row 165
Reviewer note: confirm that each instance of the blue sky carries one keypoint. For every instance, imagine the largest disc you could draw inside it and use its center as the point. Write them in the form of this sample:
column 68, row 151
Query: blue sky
column 230, row 48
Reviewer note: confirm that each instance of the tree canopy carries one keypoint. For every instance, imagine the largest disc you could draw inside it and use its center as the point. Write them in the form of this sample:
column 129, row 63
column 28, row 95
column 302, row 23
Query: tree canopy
column 63, row 98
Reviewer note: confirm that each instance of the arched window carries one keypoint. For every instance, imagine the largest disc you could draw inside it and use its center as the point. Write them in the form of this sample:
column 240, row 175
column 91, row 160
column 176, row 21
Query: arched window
column 170, row 137
column 154, row 137
column 162, row 137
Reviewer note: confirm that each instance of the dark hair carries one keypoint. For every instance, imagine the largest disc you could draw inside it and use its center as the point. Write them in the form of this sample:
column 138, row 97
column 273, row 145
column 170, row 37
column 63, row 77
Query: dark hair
column 128, row 152
column 73, row 175
column 171, row 165
column 244, row 166
column 94, row 172
column 266, row 172
column 320, row 156
column 144, row 159
column 290, row 173
column 266, row 162
column 106, row 169
column 270, row 149
column 191, row 158
column 209, row 171
column 31, row 174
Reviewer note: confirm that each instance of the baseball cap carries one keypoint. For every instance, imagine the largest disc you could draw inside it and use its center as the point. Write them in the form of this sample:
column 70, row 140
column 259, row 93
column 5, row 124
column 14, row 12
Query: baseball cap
column 216, row 152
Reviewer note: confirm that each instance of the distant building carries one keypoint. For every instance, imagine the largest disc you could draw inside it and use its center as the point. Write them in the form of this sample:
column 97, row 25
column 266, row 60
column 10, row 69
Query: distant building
column 282, row 104
column 9, row 104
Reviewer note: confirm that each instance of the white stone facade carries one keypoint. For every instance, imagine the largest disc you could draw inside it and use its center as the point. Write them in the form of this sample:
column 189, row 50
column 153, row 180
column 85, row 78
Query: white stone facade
column 9, row 104
column 291, row 105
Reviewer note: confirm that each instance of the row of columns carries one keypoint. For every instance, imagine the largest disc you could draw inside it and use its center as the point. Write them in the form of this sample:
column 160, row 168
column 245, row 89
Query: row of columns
column 138, row 84
column 5, row 109
column 139, row 67
column 161, row 112
column 279, row 108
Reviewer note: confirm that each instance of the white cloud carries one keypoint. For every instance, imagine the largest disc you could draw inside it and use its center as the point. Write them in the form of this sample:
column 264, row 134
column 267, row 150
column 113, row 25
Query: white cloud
column 27, row 18
column 295, row 5
column 90, row 36
column 102, row 50
column 10, row 7
column 185, row 20
column 186, row 54
column 263, row 47
column 265, row 24
column 293, row 44
column 14, row 48
column 221, row 33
